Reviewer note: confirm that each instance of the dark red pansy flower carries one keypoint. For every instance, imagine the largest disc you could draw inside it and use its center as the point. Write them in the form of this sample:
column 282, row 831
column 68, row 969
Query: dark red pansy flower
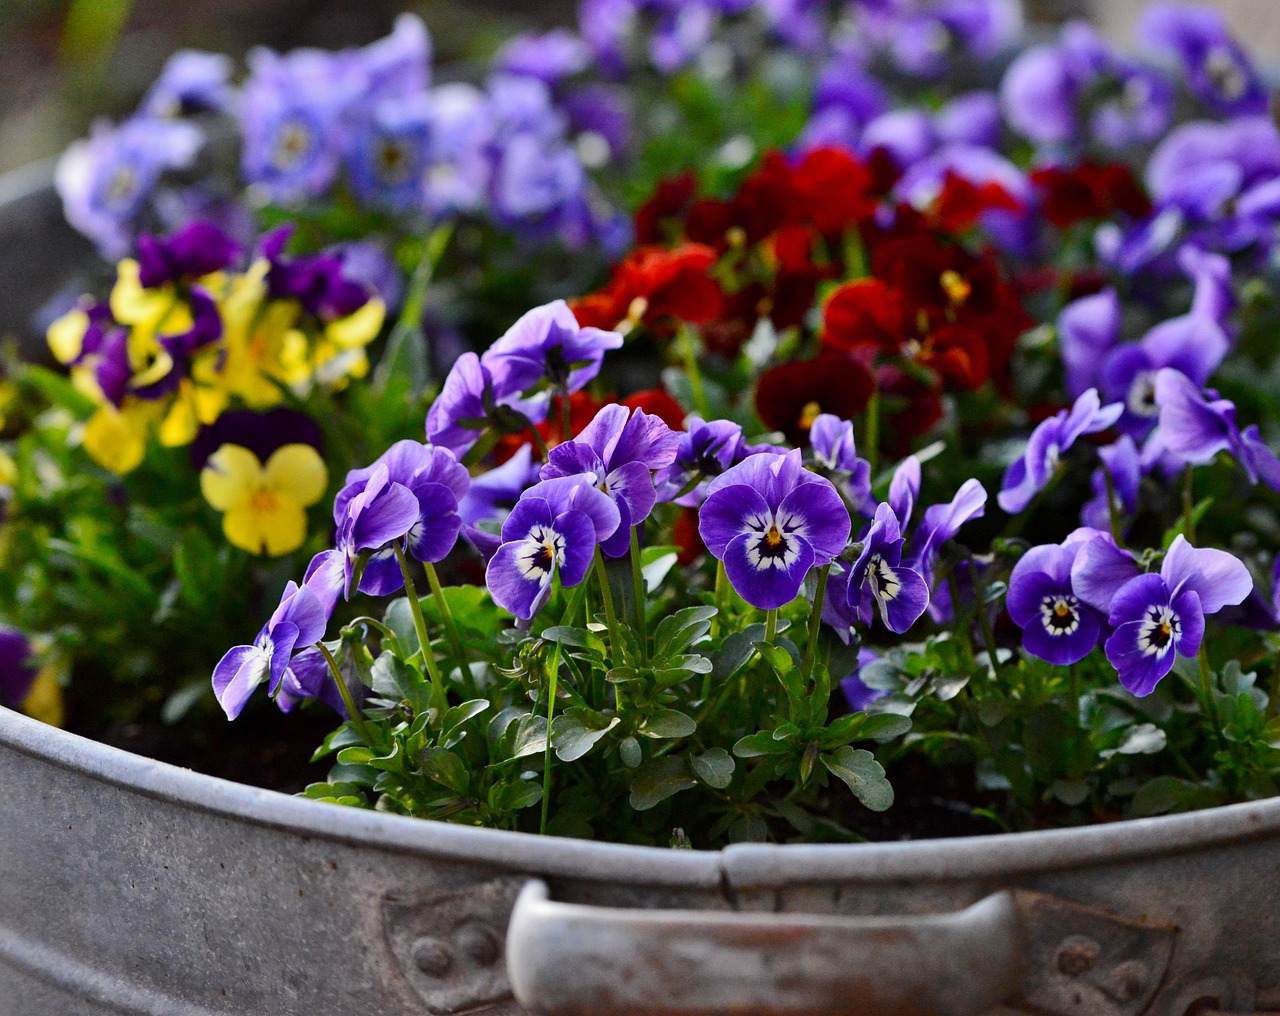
column 863, row 313
column 958, row 354
column 790, row 396
column 602, row 309
column 709, row 221
column 687, row 538
column 909, row 407
column 961, row 203
column 1089, row 191
column 670, row 201
column 659, row 284
column 835, row 191
column 767, row 199
column 725, row 334
column 657, row 402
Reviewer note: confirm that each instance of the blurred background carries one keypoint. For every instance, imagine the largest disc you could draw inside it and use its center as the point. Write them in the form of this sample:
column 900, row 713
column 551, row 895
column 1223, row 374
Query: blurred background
column 63, row 62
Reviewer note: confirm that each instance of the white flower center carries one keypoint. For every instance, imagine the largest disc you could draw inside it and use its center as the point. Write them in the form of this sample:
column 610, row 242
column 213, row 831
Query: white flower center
column 1060, row 614
column 775, row 544
column 885, row 583
column 1160, row 629
column 292, row 144
column 540, row 552
column 1142, row 394
column 1225, row 73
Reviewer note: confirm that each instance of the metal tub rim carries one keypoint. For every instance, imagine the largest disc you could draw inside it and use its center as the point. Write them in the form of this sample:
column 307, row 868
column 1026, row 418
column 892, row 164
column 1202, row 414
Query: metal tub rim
column 745, row 864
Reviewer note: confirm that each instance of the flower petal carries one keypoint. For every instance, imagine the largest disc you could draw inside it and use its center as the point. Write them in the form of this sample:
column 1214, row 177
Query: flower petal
column 230, row 476
column 297, row 469
column 1140, row 671
column 1217, row 577
column 724, row 515
column 769, row 586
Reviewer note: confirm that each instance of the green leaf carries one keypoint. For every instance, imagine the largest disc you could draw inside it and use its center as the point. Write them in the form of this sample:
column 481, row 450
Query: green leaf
column 400, row 620
column 393, row 678
column 714, row 767
column 578, row 637
column 1139, row 739
column 528, row 735
column 576, row 731
column 514, row 796
column 735, row 650
column 862, row 774
column 445, row 768
column 677, row 632
column 1160, row 795
column 655, row 563
column 630, row 752
column 668, row 723
column 474, row 612
column 659, row 779
column 885, row 726
column 763, row 743
column 460, row 714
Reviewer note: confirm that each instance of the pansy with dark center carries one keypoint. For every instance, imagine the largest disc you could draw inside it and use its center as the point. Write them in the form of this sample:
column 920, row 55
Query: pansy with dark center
column 705, row 451
column 553, row 530
column 546, row 346
column 1158, row 617
column 618, row 451
column 1056, row 625
column 880, row 583
column 770, row 520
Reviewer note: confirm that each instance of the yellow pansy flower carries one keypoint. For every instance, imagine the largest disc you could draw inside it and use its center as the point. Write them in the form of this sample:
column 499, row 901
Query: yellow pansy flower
column 44, row 700
column 66, row 335
column 357, row 329
column 264, row 505
column 116, row 439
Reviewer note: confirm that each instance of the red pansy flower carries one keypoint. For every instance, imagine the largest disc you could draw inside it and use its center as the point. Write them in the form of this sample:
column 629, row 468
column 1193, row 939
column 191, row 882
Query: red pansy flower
column 790, row 396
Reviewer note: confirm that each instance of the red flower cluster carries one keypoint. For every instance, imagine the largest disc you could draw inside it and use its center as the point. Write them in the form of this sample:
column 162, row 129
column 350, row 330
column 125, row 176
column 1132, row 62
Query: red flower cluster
column 932, row 306
column 1090, row 191
column 761, row 253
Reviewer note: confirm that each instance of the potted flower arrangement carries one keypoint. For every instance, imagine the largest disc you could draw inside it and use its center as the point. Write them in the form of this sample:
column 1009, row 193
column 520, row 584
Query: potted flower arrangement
column 911, row 480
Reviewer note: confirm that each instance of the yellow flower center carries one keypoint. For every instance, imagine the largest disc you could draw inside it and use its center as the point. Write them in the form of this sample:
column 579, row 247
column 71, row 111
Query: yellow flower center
column 264, row 500
column 773, row 538
column 956, row 286
column 808, row 414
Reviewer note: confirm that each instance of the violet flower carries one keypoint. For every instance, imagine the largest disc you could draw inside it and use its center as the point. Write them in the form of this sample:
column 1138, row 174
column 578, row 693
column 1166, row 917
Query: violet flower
column 436, row 480
column 1216, row 69
column 196, row 249
column 835, row 456
column 1028, row 475
column 550, row 57
column 553, row 530
column 546, row 347
column 1196, row 429
column 17, row 668
column 192, row 81
column 770, row 520
column 1123, row 463
column 618, row 452
column 299, row 621
column 858, row 695
column 1056, row 626
column 106, row 180
column 1088, row 329
column 880, row 583
column 940, row 524
column 388, row 152
column 1158, row 617
column 375, row 513
column 495, row 492
column 705, row 451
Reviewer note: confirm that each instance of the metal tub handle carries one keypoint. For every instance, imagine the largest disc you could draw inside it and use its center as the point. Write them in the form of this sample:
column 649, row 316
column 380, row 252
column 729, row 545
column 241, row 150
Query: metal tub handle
column 567, row 959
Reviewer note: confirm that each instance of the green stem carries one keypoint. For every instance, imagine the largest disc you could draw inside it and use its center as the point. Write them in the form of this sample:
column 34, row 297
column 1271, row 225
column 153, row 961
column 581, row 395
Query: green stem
column 815, row 622
column 539, row 442
column 420, row 626
column 689, row 353
column 984, row 622
column 553, row 673
column 1188, row 506
column 1113, row 507
column 353, row 713
column 638, row 591
column 610, row 615
column 1208, row 704
column 872, row 452
column 487, row 441
column 720, row 597
column 446, row 615
column 771, row 625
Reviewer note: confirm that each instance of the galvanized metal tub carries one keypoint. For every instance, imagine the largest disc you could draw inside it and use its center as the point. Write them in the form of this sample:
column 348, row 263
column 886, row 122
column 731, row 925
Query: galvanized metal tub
column 130, row 886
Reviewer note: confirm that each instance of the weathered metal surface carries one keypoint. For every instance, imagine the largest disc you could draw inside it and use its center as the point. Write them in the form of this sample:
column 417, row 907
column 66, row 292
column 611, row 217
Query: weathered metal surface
column 128, row 886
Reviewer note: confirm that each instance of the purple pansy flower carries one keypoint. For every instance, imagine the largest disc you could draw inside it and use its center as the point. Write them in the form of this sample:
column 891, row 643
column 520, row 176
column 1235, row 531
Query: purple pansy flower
column 1123, row 463
column 547, row 346
column 1158, row 617
column 1056, row 625
column 880, row 583
column 495, row 492
column 388, row 152
column 941, row 522
column 1196, row 429
column 705, row 451
column 192, row 81
column 836, row 456
column 770, row 520
column 375, row 512
column 299, row 621
column 196, row 249
column 550, row 57
column 553, row 529
column 904, row 488
column 1049, row 441
column 436, row 480
column 17, row 668
column 309, row 677
column 618, row 452
column 1214, row 66
column 1088, row 328
column 106, row 180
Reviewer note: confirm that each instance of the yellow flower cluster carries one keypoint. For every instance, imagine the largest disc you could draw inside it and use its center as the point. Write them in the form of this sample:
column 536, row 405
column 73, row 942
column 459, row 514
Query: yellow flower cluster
column 242, row 348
